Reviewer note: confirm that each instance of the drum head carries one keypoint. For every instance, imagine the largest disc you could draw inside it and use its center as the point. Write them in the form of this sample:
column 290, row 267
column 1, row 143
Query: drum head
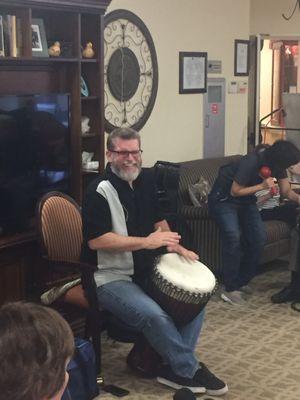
column 192, row 276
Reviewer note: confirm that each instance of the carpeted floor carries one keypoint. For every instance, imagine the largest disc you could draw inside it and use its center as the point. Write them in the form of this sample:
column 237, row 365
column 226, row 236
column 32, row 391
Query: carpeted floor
column 255, row 348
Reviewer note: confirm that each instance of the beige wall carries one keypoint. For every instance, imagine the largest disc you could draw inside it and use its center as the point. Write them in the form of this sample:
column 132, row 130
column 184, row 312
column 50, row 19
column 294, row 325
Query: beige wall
column 266, row 17
column 174, row 130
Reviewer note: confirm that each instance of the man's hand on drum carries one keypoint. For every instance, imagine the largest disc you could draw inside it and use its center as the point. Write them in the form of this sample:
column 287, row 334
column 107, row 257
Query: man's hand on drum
column 161, row 238
column 182, row 251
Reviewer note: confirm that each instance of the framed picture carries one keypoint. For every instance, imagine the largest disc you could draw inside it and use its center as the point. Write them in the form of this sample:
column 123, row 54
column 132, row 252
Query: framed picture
column 192, row 72
column 241, row 57
column 38, row 37
column 84, row 88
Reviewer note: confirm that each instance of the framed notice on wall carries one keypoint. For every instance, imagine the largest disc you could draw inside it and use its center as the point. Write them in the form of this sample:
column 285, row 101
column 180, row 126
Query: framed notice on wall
column 192, row 72
column 241, row 57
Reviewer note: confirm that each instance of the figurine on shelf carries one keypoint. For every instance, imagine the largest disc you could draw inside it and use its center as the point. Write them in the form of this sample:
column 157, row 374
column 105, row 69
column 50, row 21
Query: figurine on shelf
column 54, row 50
column 86, row 157
column 85, row 127
column 88, row 51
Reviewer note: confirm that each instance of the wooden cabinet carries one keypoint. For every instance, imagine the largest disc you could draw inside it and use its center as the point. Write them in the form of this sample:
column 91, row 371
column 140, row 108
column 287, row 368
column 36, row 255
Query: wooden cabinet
column 17, row 263
column 73, row 23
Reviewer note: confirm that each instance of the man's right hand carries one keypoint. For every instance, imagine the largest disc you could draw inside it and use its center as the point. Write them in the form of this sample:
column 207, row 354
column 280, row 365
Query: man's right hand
column 161, row 238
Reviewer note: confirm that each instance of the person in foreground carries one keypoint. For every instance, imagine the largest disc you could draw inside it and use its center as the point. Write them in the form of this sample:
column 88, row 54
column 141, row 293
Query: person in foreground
column 36, row 344
column 232, row 203
column 121, row 221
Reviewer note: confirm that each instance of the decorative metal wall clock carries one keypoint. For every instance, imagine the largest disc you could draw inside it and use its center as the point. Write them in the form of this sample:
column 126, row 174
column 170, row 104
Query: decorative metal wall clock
column 130, row 71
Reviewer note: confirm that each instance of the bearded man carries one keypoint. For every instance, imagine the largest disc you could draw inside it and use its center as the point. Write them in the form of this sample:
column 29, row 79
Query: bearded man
column 122, row 223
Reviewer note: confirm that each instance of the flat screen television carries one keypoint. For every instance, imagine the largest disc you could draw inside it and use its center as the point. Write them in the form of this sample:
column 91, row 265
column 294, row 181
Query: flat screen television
column 34, row 155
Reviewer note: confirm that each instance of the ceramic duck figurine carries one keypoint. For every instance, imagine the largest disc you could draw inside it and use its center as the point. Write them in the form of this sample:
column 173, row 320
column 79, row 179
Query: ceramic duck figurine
column 88, row 51
column 54, row 50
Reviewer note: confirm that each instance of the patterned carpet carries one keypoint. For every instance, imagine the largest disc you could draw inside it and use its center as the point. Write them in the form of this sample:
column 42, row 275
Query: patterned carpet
column 255, row 348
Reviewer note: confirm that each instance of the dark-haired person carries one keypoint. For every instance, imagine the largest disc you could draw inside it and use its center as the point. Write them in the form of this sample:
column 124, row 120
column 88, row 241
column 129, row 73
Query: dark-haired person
column 271, row 209
column 36, row 344
column 122, row 222
column 232, row 203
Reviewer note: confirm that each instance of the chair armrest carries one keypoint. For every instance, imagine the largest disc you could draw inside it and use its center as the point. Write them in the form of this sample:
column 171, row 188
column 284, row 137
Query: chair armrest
column 64, row 271
column 69, row 266
column 192, row 213
column 87, row 278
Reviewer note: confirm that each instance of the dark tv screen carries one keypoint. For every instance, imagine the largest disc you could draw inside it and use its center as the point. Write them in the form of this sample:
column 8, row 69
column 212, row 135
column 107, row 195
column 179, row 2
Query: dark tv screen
column 34, row 155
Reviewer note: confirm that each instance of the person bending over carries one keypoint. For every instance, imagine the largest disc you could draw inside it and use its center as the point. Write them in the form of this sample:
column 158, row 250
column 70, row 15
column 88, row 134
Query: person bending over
column 270, row 208
column 36, row 344
column 121, row 221
column 232, row 203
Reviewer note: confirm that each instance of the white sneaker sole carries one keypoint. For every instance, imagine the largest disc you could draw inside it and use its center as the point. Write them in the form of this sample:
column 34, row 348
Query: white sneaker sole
column 234, row 303
column 226, row 299
column 173, row 385
column 218, row 392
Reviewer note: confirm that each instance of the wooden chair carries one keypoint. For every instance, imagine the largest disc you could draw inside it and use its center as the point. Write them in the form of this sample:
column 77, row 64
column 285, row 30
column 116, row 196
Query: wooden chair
column 60, row 233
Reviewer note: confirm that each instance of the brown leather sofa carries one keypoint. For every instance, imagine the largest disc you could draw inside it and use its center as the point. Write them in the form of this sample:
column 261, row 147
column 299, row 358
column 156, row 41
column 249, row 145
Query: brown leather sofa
column 201, row 233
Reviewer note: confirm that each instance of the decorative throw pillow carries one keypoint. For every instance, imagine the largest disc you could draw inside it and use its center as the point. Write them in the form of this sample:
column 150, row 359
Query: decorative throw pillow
column 199, row 192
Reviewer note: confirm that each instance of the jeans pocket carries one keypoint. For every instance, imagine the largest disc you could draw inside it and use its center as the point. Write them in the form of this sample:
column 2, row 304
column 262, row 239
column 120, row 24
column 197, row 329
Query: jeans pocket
column 217, row 196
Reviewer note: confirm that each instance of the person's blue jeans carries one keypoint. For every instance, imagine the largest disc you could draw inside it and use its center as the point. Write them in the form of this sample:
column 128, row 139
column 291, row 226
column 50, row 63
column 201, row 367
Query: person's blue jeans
column 132, row 305
column 243, row 238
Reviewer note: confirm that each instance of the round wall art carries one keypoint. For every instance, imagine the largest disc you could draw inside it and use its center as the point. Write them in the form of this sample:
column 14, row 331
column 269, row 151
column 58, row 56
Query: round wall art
column 130, row 71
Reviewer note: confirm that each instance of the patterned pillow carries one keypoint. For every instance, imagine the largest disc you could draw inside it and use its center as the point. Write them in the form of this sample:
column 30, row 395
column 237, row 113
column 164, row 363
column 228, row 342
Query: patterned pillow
column 199, row 192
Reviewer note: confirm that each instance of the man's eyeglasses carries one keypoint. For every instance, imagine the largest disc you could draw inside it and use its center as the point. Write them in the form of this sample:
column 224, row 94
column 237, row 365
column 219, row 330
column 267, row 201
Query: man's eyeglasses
column 124, row 153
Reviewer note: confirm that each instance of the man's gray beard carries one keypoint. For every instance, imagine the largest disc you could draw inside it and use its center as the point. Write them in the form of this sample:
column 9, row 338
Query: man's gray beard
column 126, row 176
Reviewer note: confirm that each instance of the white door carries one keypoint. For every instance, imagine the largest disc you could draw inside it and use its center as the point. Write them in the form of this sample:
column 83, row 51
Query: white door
column 214, row 118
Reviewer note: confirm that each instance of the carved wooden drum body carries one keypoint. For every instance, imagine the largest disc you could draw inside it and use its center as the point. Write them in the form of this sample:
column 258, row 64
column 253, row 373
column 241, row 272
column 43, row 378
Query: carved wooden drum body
column 182, row 288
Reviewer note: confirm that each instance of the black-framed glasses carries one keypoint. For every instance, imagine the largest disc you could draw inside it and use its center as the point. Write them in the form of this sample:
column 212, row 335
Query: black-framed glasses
column 124, row 153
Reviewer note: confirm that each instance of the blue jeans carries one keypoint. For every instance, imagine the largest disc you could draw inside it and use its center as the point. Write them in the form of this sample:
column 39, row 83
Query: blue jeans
column 132, row 305
column 243, row 238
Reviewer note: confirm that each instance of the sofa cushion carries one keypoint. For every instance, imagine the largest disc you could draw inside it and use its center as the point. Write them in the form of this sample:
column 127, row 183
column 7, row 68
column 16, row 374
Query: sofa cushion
column 276, row 230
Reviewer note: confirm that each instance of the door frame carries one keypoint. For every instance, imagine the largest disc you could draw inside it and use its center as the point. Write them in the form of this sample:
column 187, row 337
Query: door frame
column 254, row 84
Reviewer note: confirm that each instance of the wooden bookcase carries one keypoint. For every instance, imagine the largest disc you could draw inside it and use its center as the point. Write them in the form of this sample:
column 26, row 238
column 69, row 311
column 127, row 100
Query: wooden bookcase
column 74, row 23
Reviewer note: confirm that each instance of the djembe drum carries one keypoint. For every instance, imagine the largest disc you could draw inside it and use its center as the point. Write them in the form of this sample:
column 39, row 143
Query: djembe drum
column 181, row 287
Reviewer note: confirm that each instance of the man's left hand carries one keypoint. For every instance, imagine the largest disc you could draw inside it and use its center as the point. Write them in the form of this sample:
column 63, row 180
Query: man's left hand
column 182, row 251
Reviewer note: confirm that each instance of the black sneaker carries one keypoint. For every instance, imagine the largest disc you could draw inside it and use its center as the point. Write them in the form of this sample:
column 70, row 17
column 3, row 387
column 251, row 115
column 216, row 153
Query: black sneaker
column 285, row 295
column 167, row 377
column 213, row 385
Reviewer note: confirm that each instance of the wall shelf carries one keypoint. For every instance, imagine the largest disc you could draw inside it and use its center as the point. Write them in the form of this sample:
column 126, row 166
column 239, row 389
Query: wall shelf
column 88, row 135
